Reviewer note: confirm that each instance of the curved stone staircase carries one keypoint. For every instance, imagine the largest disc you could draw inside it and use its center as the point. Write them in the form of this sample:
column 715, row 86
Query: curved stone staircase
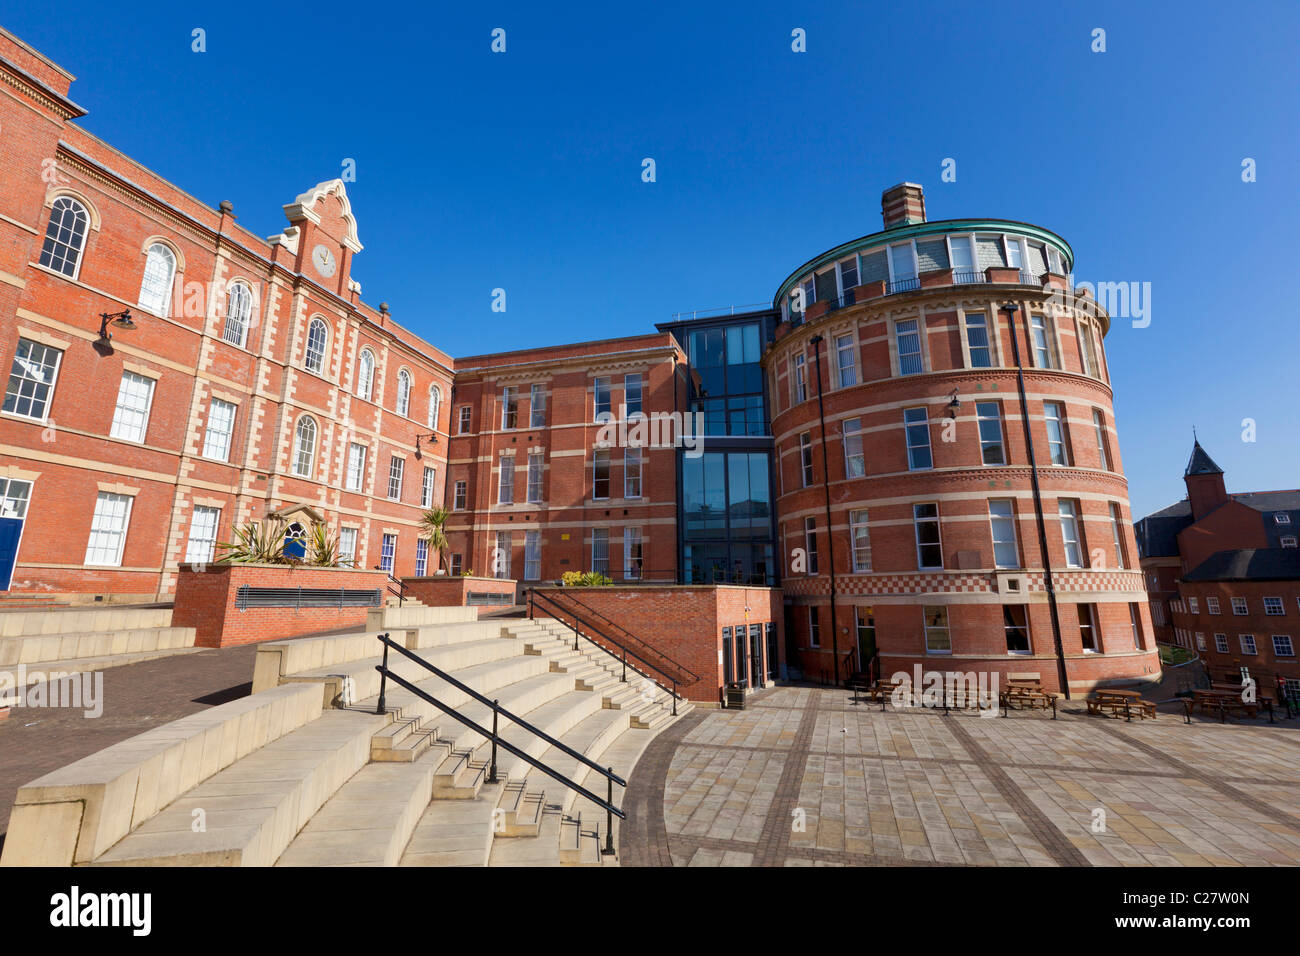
column 303, row 772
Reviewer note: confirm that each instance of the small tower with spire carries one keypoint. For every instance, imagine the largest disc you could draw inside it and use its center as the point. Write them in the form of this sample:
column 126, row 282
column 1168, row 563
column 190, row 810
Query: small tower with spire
column 1204, row 480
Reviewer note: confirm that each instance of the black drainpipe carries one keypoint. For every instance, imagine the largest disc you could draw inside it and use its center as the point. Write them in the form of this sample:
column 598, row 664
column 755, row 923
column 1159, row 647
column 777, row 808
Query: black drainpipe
column 816, row 342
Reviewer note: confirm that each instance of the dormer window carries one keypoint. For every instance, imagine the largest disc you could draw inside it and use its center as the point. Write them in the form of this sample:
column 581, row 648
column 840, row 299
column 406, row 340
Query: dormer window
column 1282, row 517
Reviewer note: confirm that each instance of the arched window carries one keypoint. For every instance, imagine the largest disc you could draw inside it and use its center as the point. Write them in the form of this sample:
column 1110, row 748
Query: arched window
column 295, row 541
column 316, row 336
column 65, row 236
column 365, row 374
column 435, row 403
column 403, row 392
column 304, row 446
column 239, row 307
column 159, row 271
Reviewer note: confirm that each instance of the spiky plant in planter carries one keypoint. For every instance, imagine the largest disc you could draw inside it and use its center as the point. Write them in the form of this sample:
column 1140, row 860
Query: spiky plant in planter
column 254, row 544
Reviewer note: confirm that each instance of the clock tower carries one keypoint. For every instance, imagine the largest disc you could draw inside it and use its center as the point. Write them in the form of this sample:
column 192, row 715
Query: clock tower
column 322, row 236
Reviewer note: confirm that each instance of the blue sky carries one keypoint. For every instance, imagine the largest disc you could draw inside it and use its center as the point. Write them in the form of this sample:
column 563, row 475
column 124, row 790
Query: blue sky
column 523, row 170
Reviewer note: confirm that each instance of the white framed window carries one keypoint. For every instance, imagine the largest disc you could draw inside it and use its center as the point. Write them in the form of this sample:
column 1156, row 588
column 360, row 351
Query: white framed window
column 203, row 534
column 805, row 458
column 916, row 428
column 1273, row 607
column 848, row 274
column 860, row 540
column 159, row 273
column 1089, row 634
column 466, row 414
column 1136, row 623
column 365, row 374
column 1040, row 335
column 907, row 339
column 845, row 361
column 1015, row 252
column 509, row 408
column 65, row 237
column 600, row 550
column 632, row 394
column 31, row 380
column 1087, row 349
column 108, row 529
column 855, row 460
column 1281, row 517
column 977, row 340
column 347, row 546
column 632, row 563
column 1054, row 261
column 501, row 555
column 1117, row 533
column 1200, row 641
column 1069, row 514
column 387, row 552
column 1002, row 520
column 1239, row 607
column 536, row 472
column 1247, row 642
column 1212, row 604
column 1221, row 643
column 600, row 398
column 435, row 406
column 421, row 557
column 810, row 543
column 317, row 337
column 404, row 393
column 961, row 257
column 304, row 446
column 814, row 627
column 1015, row 628
column 1287, row 541
column 1193, row 605
column 396, row 471
column 427, row 483
column 532, row 555
column 989, row 417
column 800, row 378
column 929, row 546
column 221, row 425
column 134, row 400
column 239, row 310
column 356, row 466
column 632, row 460
column 937, row 638
column 537, row 407
column 1099, row 426
column 1054, row 419
column 902, row 267
column 600, row 473
column 506, row 480
column 1282, row 646
column 460, row 496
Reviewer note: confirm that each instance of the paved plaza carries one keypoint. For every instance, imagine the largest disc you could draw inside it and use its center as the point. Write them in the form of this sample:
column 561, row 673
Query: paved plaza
column 806, row 777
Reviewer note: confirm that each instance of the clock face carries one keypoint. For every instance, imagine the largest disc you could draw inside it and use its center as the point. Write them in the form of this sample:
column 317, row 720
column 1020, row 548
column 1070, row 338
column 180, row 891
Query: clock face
column 323, row 260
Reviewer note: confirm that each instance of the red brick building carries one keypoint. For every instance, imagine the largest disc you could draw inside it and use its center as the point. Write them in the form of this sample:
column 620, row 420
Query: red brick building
column 1224, row 575
column 898, row 422
column 252, row 378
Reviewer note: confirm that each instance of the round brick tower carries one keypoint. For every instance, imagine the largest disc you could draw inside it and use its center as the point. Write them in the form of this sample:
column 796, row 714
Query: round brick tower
column 899, row 401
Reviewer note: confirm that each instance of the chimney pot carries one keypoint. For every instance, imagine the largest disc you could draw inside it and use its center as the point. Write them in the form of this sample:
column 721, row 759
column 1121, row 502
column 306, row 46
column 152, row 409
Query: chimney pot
column 902, row 205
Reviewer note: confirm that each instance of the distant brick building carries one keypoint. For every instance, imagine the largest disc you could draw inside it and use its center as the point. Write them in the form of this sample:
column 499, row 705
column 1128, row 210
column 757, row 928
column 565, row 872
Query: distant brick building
column 1223, row 572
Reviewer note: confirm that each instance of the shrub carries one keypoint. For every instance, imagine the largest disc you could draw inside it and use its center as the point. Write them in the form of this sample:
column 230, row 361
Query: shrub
column 584, row 579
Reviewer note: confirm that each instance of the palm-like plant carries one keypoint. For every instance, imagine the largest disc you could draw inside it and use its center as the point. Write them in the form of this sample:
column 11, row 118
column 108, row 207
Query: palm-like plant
column 324, row 549
column 433, row 528
column 255, row 544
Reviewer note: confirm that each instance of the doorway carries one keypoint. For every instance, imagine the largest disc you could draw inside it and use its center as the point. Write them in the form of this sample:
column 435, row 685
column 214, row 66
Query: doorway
column 14, row 495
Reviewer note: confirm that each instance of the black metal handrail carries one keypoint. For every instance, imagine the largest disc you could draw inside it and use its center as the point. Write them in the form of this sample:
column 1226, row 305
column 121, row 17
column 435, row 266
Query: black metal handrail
column 579, row 623
column 968, row 277
column 399, row 590
column 497, row 740
column 903, row 285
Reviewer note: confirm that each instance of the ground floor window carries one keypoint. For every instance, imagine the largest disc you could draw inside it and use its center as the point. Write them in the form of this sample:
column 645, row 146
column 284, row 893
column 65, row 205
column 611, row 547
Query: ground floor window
column 203, row 534
column 347, row 546
column 108, row 529
column 937, row 638
column 1016, row 626
column 814, row 628
column 1088, row 635
column 421, row 557
column 387, row 549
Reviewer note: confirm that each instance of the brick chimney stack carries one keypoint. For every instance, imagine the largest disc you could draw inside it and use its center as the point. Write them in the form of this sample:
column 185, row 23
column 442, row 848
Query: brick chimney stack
column 902, row 205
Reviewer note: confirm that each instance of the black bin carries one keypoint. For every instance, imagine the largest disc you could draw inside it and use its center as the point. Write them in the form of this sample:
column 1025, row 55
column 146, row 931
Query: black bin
column 736, row 694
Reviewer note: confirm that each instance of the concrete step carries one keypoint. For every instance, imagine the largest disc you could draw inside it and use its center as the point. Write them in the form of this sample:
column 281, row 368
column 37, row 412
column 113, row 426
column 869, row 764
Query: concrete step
column 15, row 675
column 455, row 832
column 101, row 620
column 26, row 649
column 579, row 844
column 543, row 850
column 520, row 811
column 369, row 821
column 556, row 717
column 459, row 776
column 252, row 810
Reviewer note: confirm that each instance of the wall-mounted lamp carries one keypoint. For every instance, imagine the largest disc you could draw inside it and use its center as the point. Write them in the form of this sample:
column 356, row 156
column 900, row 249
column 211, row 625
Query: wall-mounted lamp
column 432, row 439
column 120, row 320
column 954, row 405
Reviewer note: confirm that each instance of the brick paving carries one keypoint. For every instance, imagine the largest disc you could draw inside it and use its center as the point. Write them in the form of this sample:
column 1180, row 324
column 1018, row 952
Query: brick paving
column 805, row 777
column 137, row 697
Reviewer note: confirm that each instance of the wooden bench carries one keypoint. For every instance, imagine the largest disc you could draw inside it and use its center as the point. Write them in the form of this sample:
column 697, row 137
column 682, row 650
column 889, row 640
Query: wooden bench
column 1027, row 693
column 1121, row 703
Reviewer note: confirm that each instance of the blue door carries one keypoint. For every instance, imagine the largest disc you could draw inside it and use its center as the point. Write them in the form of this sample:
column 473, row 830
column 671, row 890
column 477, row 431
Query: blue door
column 11, row 530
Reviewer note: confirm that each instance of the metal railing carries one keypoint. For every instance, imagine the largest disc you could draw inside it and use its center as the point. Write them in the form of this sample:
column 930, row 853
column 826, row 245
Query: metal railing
column 902, row 285
column 493, row 735
column 968, row 277
column 670, row 670
column 395, row 586
column 724, row 310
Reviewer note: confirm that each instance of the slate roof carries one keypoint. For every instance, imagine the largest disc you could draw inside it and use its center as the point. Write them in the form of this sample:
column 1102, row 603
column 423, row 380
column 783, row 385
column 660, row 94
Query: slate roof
column 1249, row 564
column 1200, row 463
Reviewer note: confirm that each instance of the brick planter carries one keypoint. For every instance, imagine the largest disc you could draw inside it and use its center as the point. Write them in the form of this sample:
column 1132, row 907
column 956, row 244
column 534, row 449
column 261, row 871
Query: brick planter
column 206, row 601
column 444, row 591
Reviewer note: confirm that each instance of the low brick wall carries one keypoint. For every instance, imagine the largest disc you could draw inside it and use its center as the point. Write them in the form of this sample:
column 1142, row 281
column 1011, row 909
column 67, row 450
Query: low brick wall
column 205, row 601
column 683, row 622
column 442, row 590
